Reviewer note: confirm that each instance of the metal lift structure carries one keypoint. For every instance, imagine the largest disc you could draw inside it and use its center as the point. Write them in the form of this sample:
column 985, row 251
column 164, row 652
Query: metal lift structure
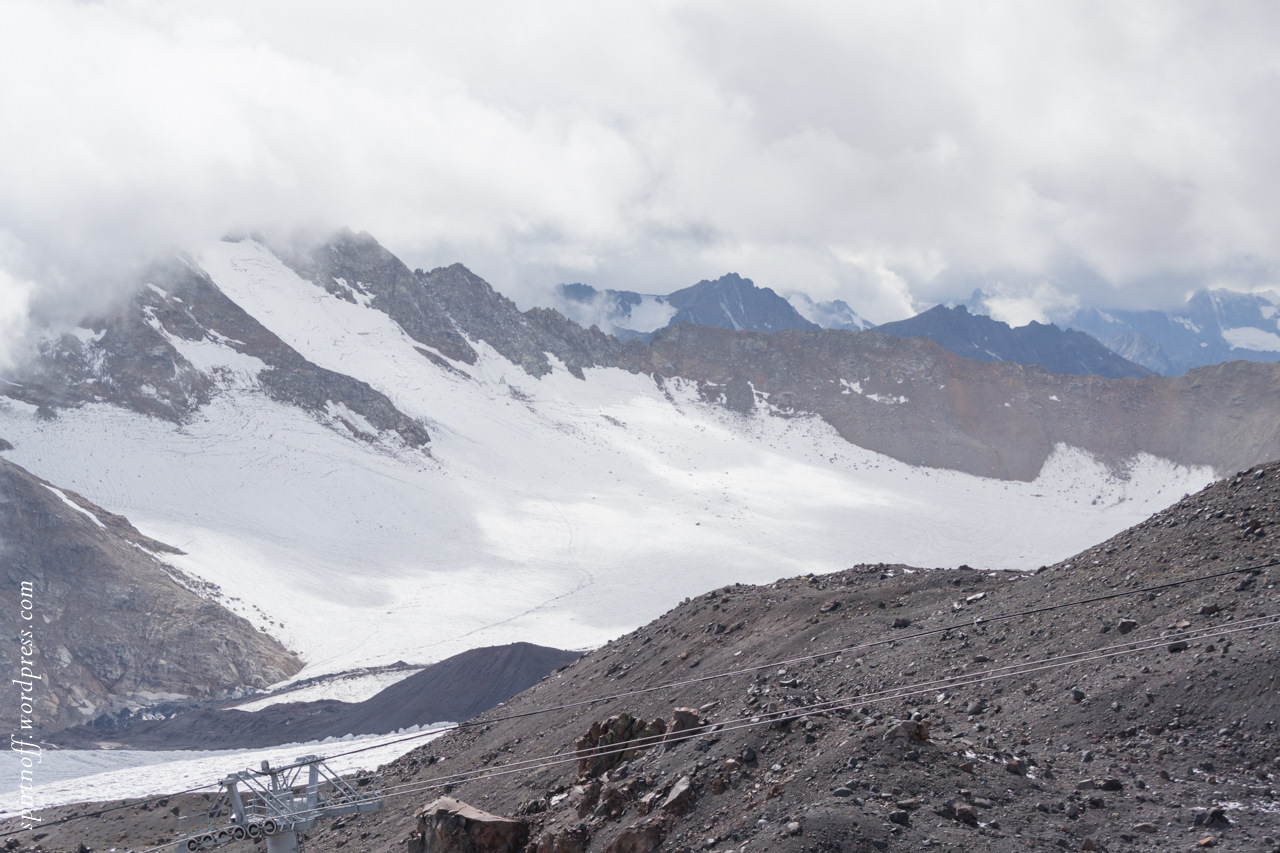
column 278, row 803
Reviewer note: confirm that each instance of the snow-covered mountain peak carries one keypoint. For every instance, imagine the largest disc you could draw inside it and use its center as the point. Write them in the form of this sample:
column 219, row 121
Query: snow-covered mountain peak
column 271, row 415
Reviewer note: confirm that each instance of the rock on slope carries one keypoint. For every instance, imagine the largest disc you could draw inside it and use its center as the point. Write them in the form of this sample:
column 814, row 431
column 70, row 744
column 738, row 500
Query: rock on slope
column 1151, row 751
column 110, row 620
column 1165, row 749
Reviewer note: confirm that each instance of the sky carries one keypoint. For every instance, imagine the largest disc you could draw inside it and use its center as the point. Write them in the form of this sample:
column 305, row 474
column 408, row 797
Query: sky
column 894, row 155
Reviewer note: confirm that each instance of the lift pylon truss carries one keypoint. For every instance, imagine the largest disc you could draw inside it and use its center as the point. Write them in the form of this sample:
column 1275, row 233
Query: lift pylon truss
column 276, row 803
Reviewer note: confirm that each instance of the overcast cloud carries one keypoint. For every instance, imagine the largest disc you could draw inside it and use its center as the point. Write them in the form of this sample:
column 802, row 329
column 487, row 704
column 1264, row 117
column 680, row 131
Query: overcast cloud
column 893, row 155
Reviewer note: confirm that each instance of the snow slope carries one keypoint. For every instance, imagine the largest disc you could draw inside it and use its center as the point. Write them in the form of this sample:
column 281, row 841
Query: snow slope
column 80, row 776
column 551, row 510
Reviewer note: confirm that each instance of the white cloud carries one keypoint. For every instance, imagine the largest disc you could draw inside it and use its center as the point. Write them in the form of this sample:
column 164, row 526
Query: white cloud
column 15, row 300
column 850, row 150
column 1020, row 302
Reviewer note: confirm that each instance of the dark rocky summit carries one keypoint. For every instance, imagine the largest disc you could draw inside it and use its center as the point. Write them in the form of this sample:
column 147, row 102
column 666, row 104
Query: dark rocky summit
column 734, row 302
column 885, row 708
column 981, row 338
column 729, row 302
column 110, row 620
column 455, row 689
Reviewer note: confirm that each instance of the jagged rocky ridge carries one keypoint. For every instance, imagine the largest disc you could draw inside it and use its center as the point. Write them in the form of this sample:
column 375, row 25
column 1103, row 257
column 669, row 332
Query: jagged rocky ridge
column 1170, row 748
column 136, row 360
column 729, row 302
column 113, row 624
column 906, row 398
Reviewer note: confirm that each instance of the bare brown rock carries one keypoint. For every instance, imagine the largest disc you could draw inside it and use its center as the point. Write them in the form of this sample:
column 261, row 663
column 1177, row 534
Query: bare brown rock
column 113, row 619
column 641, row 837
column 449, row 826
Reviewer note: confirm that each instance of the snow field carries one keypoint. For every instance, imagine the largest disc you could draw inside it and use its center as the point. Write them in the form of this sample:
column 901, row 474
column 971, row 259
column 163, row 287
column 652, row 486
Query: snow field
column 85, row 776
column 551, row 510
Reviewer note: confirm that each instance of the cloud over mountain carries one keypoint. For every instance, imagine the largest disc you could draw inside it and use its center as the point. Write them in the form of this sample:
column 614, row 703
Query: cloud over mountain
column 887, row 156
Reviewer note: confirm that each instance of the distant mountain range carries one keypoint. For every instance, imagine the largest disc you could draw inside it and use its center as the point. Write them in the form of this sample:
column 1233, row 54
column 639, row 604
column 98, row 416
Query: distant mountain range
column 981, row 338
column 1215, row 326
column 344, row 447
column 729, row 302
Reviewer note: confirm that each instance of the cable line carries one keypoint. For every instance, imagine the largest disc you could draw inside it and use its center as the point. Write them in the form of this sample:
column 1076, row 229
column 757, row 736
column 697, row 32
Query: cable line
column 985, row 620
column 831, row 706
column 1003, row 617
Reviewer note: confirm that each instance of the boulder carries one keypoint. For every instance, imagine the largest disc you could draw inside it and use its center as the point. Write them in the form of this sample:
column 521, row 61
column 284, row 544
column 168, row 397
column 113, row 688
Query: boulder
column 615, row 741
column 571, row 839
column 683, row 722
column 680, row 798
column 451, row 826
column 642, row 836
column 912, row 730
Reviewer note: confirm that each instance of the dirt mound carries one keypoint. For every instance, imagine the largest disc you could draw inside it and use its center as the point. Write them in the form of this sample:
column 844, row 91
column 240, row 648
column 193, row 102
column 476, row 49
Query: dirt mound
column 452, row 690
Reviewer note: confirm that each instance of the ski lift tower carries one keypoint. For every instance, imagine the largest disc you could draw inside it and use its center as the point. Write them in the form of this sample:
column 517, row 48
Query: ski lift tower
column 278, row 803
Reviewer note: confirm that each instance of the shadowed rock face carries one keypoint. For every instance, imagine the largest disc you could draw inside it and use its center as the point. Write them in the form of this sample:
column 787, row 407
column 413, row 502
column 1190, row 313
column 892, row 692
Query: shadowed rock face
column 448, row 826
column 734, row 302
column 910, row 399
column 109, row 619
column 134, row 362
column 446, row 306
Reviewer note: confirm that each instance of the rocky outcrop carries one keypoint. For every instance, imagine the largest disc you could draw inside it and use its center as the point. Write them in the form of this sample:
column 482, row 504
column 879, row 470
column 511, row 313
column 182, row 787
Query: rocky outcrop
column 909, row 399
column 449, row 826
column 615, row 741
column 135, row 360
column 111, row 623
column 446, row 307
